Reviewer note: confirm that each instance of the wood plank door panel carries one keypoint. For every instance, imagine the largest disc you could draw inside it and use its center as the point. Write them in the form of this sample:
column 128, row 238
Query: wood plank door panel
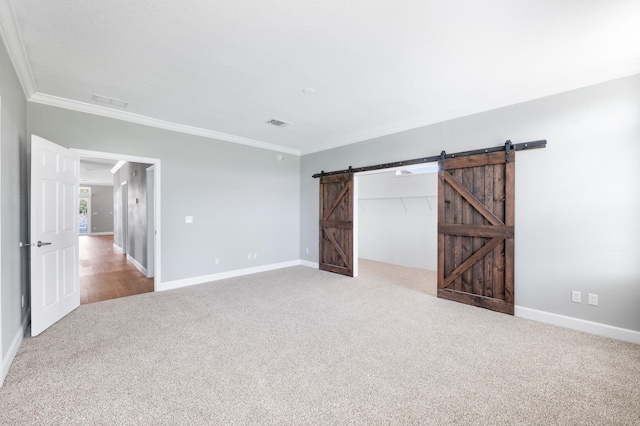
column 336, row 224
column 475, row 230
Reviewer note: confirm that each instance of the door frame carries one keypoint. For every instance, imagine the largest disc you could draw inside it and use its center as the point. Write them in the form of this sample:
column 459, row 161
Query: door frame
column 356, row 198
column 151, row 220
column 157, row 270
column 124, row 216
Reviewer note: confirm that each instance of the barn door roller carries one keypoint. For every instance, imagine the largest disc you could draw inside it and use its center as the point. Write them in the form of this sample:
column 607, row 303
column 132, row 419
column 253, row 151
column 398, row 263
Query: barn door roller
column 508, row 146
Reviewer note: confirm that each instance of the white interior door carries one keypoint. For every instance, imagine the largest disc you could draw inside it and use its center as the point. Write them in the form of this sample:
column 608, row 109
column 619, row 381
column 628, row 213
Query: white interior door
column 55, row 287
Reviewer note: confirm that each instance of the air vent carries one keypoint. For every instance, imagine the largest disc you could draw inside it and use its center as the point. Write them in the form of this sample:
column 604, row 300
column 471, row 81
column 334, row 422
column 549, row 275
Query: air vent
column 277, row 123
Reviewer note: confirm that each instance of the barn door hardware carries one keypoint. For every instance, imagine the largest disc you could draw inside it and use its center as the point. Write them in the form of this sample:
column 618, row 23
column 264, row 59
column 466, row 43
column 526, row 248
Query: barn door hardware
column 508, row 147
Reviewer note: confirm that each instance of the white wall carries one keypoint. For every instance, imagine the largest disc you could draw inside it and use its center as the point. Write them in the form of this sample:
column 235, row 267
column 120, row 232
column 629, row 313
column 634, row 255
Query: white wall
column 577, row 202
column 398, row 219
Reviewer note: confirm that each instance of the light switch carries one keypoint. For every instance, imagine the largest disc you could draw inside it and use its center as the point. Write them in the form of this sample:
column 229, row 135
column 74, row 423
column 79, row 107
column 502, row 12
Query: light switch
column 188, row 219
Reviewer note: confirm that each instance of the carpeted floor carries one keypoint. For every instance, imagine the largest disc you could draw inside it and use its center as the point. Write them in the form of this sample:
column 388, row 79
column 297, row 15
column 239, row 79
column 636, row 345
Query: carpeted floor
column 301, row 346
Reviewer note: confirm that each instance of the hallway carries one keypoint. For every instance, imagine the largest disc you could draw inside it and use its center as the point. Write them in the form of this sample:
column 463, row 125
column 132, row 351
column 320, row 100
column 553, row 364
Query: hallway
column 106, row 274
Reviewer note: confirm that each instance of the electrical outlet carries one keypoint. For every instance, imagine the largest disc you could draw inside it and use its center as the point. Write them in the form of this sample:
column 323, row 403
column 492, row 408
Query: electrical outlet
column 307, row 250
column 576, row 297
column 255, row 255
column 249, row 256
column 217, row 261
column 593, row 299
column 188, row 219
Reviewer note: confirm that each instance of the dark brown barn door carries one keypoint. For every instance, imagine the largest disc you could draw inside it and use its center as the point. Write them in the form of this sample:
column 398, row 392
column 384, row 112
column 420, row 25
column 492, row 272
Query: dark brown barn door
column 475, row 230
column 336, row 223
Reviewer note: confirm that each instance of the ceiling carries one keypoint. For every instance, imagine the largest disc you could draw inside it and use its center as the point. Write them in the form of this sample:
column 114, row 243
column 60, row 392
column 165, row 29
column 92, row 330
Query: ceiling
column 96, row 171
column 222, row 68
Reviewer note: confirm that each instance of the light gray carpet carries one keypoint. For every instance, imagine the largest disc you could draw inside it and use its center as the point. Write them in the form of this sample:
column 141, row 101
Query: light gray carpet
column 301, row 346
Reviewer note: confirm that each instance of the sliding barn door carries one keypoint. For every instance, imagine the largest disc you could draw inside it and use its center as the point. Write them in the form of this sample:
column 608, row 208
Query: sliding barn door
column 336, row 223
column 475, row 230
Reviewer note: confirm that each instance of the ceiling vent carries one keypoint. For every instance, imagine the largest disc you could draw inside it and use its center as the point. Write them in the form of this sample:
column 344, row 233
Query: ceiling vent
column 277, row 123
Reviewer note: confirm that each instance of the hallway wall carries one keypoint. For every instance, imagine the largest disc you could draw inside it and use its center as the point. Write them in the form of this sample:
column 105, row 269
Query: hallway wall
column 101, row 208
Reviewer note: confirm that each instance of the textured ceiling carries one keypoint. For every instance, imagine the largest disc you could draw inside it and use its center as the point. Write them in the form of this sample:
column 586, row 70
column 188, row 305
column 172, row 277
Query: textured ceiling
column 223, row 68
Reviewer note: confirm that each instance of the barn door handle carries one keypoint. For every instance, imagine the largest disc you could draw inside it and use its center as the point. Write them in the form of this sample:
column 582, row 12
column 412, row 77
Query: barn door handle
column 40, row 244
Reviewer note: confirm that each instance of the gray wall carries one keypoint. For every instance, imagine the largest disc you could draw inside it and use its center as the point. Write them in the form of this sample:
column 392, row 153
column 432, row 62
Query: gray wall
column 398, row 219
column 577, row 203
column 137, row 195
column 121, row 175
column 241, row 198
column 13, row 186
column 101, row 208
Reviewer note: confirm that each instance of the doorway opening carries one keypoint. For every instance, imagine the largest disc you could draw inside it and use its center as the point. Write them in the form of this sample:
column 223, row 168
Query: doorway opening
column 120, row 249
column 396, row 225
column 84, row 210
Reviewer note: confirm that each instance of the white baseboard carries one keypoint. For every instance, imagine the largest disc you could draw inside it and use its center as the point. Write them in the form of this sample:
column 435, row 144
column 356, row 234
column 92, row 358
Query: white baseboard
column 13, row 348
column 100, row 233
column 171, row 285
column 597, row 328
column 309, row 264
column 117, row 248
column 138, row 266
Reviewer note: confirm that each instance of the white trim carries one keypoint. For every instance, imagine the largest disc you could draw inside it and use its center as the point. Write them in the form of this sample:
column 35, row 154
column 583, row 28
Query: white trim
column 117, row 248
column 597, row 328
column 118, row 166
column 171, row 285
column 100, row 233
column 114, row 156
column 151, row 213
column 15, row 48
column 13, row 348
column 45, row 99
column 137, row 264
column 309, row 264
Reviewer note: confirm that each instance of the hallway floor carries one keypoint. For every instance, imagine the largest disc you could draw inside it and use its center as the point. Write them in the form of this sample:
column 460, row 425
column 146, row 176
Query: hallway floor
column 106, row 274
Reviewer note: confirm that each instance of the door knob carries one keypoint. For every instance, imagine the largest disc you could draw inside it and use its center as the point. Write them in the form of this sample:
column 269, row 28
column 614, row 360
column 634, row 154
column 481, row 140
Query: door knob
column 39, row 244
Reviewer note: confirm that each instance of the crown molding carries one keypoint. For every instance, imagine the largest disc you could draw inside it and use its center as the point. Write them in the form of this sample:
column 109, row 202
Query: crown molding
column 15, row 48
column 55, row 101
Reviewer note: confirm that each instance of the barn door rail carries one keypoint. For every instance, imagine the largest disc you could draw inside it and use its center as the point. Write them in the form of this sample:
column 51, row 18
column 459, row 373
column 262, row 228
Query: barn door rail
column 508, row 146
